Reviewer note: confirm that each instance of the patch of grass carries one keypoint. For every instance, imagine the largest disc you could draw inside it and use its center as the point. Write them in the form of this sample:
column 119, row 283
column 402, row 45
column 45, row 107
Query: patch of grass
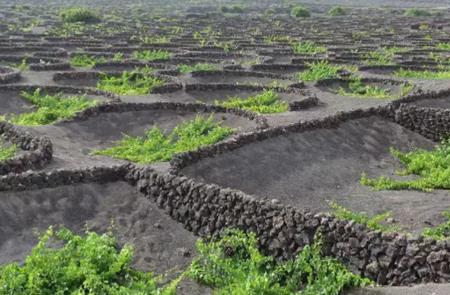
column 137, row 82
column 337, row 11
column 151, row 55
column 416, row 12
column 79, row 14
column 374, row 223
column 234, row 265
column 85, row 60
column 65, row 263
column 431, row 168
column 264, row 103
column 156, row 146
column 200, row 67
column 319, row 70
column 300, row 12
column 51, row 108
column 7, row 152
column 307, row 47
column 426, row 74
column 440, row 232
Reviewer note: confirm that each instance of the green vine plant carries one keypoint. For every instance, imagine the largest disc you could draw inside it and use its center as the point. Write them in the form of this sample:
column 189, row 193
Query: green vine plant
column 156, row 146
column 320, row 70
column 137, row 82
column 359, row 89
column 440, row 232
column 234, row 265
column 430, row 168
column 376, row 222
column 265, row 103
column 50, row 108
column 7, row 151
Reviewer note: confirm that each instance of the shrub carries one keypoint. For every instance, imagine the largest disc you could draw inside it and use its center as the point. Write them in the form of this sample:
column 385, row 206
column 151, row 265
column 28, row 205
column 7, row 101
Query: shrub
column 337, row 11
column 417, row 12
column 300, row 11
column 51, row 108
column 320, row 70
column 264, row 103
column 137, row 82
column 79, row 14
column 65, row 263
column 431, row 167
column 234, row 265
column 156, row 146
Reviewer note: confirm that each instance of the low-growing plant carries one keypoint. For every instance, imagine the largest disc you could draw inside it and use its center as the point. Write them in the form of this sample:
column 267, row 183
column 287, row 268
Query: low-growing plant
column 200, row 67
column 441, row 231
column 65, row 263
column 319, row 70
column 7, row 151
column 443, row 46
column 51, row 108
column 307, row 47
column 156, row 146
column 431, row 168
column 234, row 265
column 265, row 103
column 152, row 55
column 416, row 12
column 380, row 57
column 232, row 9
column 79, row 14
column 137, row 82
column 118, row 56
column 277, row 38
column 359, row 89
column 300, row 11
column 337, row 11
column 376, row 222
column 85, row 60
column 425, row 74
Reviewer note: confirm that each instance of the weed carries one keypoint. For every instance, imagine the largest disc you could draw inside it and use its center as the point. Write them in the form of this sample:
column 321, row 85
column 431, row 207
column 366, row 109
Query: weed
column 200, row 67
column 264, row 103
column 234, row 265
column 65, row 263
column 432, row 169
column 156, row 146
column 152, row 55
column 320, row 70
column 137, row 82
column 307, row 47
column 374, row 223
column 300, row 11
column 79, row 14
column 51, row 108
